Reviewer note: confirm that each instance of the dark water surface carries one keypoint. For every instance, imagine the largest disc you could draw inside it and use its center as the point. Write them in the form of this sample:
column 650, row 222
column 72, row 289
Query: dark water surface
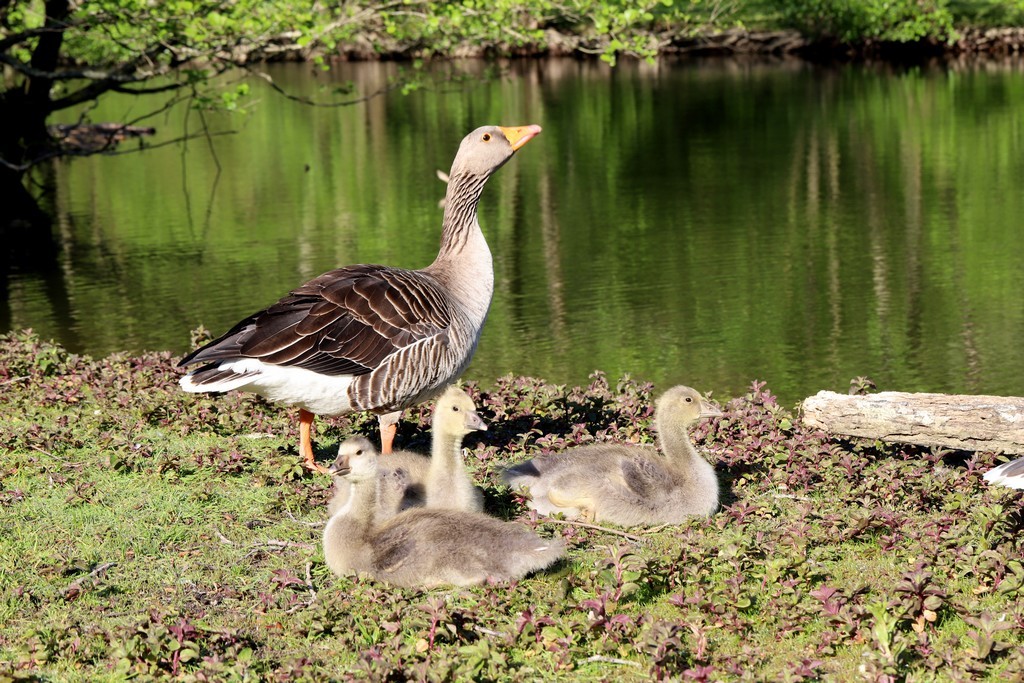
column 701, row 223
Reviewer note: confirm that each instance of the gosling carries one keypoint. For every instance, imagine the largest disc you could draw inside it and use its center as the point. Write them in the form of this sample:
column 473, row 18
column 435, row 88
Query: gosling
column 624, row 484
column 421, row 547
column 411, row 480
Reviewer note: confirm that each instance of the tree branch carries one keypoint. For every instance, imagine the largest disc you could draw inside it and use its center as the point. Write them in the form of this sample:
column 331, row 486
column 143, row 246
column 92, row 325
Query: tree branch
column 16, row 38
column 147, row 91
column 64, row 152
column 573, row 522
column 312, row 103
column 54, row 74
column 114, row 83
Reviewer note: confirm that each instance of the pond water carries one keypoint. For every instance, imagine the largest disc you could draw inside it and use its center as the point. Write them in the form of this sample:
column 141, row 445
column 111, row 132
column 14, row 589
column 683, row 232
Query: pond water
column 706, row 223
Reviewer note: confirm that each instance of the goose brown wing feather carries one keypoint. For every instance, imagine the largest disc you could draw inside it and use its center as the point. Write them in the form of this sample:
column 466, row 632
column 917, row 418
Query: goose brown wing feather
column 289, row 352
column 275, row 331
column 346, row 322
column 319, row 316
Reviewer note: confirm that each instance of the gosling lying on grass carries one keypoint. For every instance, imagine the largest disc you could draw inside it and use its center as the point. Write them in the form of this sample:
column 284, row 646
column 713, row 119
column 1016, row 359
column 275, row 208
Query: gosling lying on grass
column 409, row 480
column 424, row 547
column 625, row 484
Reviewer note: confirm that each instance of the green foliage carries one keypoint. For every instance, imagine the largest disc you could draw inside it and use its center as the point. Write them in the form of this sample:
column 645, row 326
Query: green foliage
column 853, row 20
column 987, row 12
column 114, row 34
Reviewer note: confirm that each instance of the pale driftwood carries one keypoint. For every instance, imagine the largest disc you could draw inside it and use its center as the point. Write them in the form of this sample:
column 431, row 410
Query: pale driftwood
column 963, row 422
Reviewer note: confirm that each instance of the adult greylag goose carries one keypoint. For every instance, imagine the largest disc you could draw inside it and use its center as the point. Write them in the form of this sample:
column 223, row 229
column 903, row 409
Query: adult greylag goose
column 423, row 547
column 371, row 337
column 625, row 484
column 410, row 480
column 1008, row 474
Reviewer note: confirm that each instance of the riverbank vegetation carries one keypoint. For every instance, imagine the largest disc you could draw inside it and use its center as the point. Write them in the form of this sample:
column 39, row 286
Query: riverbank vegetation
column 158, row 534
column 59, row 56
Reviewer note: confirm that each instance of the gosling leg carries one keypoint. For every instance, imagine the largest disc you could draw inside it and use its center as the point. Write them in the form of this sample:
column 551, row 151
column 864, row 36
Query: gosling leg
column 586, row 505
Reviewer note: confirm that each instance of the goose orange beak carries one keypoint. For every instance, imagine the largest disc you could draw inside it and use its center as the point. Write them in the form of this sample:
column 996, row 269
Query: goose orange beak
column 519, row 135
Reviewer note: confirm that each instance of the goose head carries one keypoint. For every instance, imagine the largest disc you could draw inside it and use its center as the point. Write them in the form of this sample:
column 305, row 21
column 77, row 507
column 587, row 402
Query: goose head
column 685, row 405
column 456, row 414
column 356, row 461
column 487, row 148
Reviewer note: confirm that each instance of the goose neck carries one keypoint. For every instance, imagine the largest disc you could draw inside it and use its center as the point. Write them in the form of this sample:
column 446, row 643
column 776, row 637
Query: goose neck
column 460, row 223
column 446, row 451
column 463, row 264
column 448, row 485
column 676, row 443
column 363, row 503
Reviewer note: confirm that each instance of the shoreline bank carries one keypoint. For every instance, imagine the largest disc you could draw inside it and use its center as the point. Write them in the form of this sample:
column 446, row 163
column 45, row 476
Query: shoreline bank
column 994, row 43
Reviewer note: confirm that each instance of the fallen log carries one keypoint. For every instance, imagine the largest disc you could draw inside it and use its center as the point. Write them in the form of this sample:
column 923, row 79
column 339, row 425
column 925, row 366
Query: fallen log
column 963, row 422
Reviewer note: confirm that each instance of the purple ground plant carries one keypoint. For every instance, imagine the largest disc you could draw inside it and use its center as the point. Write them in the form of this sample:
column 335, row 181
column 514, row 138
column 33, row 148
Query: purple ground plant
column 175, row 536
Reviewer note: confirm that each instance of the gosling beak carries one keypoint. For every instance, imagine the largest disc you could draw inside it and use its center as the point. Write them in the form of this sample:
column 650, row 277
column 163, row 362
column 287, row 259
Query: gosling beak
column 475, row 422
column 340, row 468
column 520, row 135
column 708, row 410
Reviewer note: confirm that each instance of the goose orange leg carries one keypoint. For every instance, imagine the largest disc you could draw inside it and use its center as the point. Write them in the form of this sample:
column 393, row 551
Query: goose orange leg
column 387, row 438
column 388, row 423
column 306, row 441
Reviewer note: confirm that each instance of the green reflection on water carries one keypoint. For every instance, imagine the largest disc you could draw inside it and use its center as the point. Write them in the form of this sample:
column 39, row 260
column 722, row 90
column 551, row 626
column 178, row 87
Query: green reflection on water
column 701, row 223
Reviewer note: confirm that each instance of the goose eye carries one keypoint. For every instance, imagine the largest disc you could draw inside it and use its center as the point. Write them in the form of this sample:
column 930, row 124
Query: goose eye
column 487, row 137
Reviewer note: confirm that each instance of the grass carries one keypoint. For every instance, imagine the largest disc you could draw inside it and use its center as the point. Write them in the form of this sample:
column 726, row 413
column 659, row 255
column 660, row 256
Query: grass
column 155, row 534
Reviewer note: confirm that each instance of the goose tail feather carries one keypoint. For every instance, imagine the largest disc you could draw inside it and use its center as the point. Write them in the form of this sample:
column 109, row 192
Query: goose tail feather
column 1008, row 474
column 216, row 378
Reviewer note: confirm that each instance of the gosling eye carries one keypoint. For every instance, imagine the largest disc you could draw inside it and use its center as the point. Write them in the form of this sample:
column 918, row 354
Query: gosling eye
column 689, row 400
column 486, row 137
column 455, row 409
column 359, row 452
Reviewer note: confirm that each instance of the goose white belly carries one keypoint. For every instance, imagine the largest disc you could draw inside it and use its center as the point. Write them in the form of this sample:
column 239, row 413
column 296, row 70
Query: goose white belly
column 319, row 394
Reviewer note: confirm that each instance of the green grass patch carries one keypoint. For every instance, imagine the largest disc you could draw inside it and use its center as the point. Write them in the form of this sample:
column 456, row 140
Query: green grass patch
column 155, row 534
